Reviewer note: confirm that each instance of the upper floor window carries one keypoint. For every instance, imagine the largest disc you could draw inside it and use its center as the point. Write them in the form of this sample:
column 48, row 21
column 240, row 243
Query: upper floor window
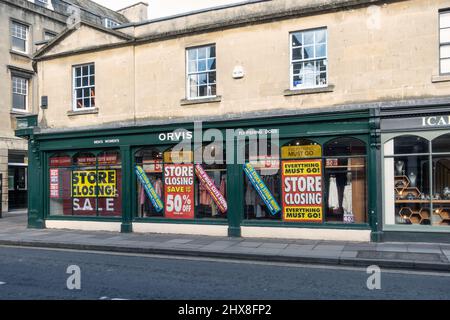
column 444, row 39
column 309, row 59
column 19, row 37
column 84, row 86
column 108, row 23
column 201, row 72
column 19, row 93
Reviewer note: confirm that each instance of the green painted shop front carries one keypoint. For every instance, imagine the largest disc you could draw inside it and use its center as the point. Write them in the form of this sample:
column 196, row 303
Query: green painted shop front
column 346, row 144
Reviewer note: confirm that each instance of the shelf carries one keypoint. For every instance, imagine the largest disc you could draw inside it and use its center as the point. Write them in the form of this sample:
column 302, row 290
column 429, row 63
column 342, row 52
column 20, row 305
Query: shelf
column 423, row 201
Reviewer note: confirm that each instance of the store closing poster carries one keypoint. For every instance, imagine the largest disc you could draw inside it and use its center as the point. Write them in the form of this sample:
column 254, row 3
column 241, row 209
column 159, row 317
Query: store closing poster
column 179, row 191
column 302, row 191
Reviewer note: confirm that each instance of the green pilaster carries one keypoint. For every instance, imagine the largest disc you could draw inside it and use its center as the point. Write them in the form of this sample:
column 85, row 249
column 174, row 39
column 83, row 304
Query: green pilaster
column 127, row 199
column 36, row 218
column 374, row 181
column 235, row 191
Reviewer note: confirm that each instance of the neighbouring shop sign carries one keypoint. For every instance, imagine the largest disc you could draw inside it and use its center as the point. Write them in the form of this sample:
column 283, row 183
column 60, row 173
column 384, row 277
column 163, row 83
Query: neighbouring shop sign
column 210, row 186
column 92, row 183
column 262, row 189
column 296, row 152
column 149, row 189
column 179, row 191
column 439, row 121
column 302, row 190
column 54, row 184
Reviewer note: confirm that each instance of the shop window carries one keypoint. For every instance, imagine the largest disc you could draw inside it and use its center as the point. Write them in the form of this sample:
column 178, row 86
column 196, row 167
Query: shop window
column 262, row 184
column 170, row 185
column 151, row 161
column 417, row 185
column 211, row 173
column 345, row 181
column 86, row 184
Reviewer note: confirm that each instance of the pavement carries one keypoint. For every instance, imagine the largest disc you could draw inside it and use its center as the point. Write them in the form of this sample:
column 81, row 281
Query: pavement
column 411, row 256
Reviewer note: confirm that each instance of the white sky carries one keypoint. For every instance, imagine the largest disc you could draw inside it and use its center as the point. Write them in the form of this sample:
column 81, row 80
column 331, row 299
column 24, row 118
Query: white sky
column 162, row 8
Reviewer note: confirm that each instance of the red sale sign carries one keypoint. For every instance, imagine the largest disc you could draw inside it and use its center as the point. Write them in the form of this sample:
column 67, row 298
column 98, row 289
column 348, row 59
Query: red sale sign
column 179, row 191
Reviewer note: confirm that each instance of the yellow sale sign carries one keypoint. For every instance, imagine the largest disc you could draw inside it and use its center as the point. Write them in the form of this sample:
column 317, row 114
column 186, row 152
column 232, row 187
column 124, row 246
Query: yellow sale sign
column 302, row 190
column 92, row 183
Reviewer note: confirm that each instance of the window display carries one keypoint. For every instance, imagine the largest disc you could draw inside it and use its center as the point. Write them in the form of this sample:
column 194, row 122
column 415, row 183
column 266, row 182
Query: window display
column 178, row 188
column 311, row 185
column 86, row 184
column 418, row 172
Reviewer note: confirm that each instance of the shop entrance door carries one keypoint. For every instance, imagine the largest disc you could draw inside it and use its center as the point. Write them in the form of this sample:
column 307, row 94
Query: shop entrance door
column 17, row 187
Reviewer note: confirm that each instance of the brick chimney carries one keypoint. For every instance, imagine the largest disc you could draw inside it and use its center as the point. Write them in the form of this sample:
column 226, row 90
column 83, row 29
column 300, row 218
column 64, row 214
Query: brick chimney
column 137, row 12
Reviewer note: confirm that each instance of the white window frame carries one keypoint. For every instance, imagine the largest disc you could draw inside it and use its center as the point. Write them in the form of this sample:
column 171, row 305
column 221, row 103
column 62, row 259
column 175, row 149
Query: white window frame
column 443, row 44
column 20, row 93
column 74, row 87
column 188, row 74
column 27, row 33
column 109, row 23
column 292, row 61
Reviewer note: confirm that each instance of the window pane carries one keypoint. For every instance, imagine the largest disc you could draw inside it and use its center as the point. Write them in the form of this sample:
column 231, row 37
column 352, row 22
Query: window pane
column 441, row 188
column 445, row 51
column 441, row 144
column 203, row 78
column 201, row 65
column 92, row 101
column 79, row 104
column 78, row 72
column 192, row 66
column 87, row 103
column 85, row 81
column 212, row 77
column 92, row 81
column 193, row 80
column 444, row 20
column 211, row 64
column 19, row 101
column 345, row 180
column 445, row 35
column 212, row 52
column 411, row 189
column 297, row 54
column 19, row 44
column 85, row 70
column 445, row 65
column 321, row 50
column 308, row 37
column 308, row 52
column 321, row 36
column 345, row 147
column 79, row 93
column 202, row 91
column 202, row 53
column 212, row 90
column 78, row 82
column 193, row 91
column 92, row 69
column 410, row 144
column 296, row 39
column 192, row 54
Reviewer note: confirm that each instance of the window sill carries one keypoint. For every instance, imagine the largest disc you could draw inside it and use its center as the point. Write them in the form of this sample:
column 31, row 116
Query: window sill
column 187, row 102
column 19, row 112
column 82, row 112
column 19, row 53
column 289, row 92
column 443, row 78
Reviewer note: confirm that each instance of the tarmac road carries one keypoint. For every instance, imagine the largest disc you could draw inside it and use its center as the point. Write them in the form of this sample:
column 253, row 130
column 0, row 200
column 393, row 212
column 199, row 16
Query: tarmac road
column 41, row 274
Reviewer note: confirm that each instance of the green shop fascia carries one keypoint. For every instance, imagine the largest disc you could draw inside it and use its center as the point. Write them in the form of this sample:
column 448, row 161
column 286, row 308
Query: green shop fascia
column 317, row 180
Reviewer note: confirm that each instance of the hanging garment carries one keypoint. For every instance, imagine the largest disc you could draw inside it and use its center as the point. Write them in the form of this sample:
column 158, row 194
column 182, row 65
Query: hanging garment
column 223, row 186
column 158, row 187
column 205, row 198
column 333, row 197
column 347, row 204
column 250, row 195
